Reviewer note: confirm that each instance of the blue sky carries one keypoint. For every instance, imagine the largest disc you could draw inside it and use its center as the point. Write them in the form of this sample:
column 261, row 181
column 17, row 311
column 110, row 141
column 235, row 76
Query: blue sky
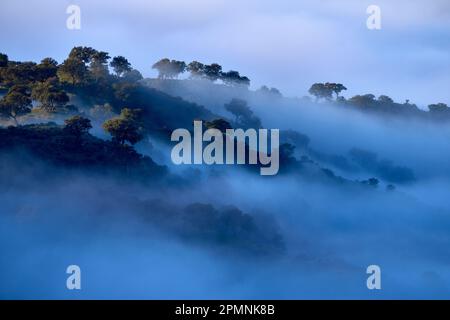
column 288, row 44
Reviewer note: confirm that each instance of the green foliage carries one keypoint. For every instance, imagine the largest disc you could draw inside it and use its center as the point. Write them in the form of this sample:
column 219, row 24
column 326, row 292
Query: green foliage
column 77, row 126
column 18, row 73
column 3, row 60
column 50, row 95
column 99, row 65
column 15, row 103
column 83, row 54
column 120, row 65
column 127, row 127
column 57, row 145
column 73, row 71
column 83, row 66
column 122, row 131
column 46, row 69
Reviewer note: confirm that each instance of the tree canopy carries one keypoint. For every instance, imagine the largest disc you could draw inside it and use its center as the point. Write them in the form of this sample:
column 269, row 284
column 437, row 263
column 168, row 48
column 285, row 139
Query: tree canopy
column 15, row 103
column 127, row 127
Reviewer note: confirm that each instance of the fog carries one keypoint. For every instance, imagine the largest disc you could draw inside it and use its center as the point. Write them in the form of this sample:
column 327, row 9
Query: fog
column 300, row 234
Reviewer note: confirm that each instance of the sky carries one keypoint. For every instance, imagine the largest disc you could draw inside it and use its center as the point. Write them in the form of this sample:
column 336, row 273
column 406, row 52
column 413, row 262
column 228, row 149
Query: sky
column 287, row 44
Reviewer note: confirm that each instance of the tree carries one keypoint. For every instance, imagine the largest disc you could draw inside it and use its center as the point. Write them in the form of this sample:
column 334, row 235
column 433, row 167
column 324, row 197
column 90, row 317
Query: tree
column 270, row 91
column 169, row 69
column 123, row 130
column 244, row 81
column 3, row 66
column 439, row 108
column 49, row 95
column 99, row 65
column 22, row 73
column 230, row 77
column 196, row 69
column 132, row 76
column 120, row 65
column 15, row 103
column 135, row 115
column 73, row 71
column 234, row 78
column 127, row 127
column 46, row 69
column 213, row 71
column 337, row 88
column 77, row 126
column 244, row 117
column 320, row 90
column 3, row 60
column 239, row 108
column 83, row 54
column 83, row 65
column 385, row 99
column 363, row 101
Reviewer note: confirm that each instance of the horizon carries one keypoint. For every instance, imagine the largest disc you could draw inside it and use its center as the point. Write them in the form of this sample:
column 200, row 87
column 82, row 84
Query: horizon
column 405, row 60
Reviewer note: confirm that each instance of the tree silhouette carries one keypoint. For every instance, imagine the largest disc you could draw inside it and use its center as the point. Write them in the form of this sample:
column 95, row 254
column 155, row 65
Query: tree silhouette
column 244, row 116
column 49, row 94
column 239, row 108
column 15, row 103
column 385, row 99
column 337, row 88
column 127, row 127
column 234, row 78
column 363, row 101
column 196, row 69
column 439, row 108
column 77, row 126
column 73, row 71
column 120, row 65
column 3, row 60
column 122, row 130
column 169, row 69
column 46, row 69
column 213, row 71
column 320, row 90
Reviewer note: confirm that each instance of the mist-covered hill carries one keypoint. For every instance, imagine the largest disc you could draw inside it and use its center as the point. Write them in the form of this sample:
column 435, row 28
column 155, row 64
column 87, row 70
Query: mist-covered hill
column 87, row 178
